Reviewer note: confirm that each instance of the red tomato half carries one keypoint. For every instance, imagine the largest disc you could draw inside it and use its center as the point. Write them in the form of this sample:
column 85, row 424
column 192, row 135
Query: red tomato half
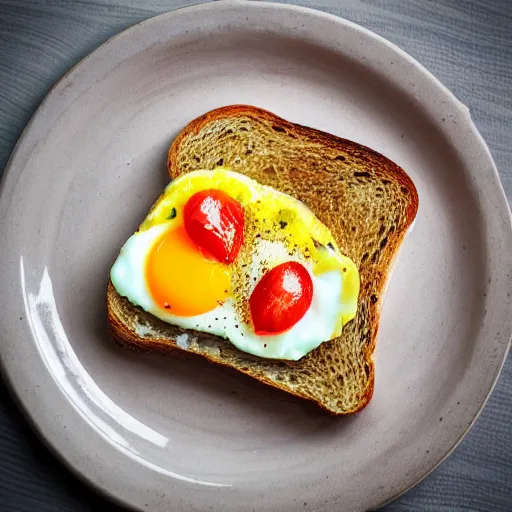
column 215, row 222
column 281, row 298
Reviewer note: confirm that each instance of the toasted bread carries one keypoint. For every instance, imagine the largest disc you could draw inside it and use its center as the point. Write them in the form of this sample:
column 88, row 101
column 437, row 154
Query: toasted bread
column 366, row 200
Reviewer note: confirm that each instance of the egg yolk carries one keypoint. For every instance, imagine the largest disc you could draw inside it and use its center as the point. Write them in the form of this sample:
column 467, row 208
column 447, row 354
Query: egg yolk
column 181, row 279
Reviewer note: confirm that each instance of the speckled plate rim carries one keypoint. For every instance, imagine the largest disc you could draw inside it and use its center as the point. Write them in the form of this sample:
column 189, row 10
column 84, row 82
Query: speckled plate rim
column 428, row 89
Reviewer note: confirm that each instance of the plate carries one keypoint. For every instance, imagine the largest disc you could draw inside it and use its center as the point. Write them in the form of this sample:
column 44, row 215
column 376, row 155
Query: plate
column 161, row 434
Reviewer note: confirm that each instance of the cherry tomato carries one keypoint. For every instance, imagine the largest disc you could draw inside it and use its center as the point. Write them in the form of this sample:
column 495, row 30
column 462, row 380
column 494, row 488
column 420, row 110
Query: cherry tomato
column 215, row 222
column 281, row 298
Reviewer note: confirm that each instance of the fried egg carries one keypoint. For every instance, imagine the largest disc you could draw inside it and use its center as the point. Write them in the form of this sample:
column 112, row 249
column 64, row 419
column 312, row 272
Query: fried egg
column 168, row 273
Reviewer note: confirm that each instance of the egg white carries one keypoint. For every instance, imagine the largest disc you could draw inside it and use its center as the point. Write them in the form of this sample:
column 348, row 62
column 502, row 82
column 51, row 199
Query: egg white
column 318, row 324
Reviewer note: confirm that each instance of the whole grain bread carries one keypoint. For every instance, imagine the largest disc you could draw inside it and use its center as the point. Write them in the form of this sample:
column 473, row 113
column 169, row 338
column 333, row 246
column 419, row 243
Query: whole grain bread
column 366, row 200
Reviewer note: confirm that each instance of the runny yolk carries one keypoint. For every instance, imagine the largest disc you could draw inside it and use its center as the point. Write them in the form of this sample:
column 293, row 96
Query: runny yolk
column 180, row 278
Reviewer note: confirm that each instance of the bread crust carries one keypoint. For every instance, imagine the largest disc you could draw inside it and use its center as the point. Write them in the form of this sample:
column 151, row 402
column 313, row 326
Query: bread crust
column 324, row 138
column 120, row 310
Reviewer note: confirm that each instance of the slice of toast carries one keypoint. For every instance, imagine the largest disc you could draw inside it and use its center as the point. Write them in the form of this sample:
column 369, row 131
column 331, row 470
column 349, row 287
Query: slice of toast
column 366, row 200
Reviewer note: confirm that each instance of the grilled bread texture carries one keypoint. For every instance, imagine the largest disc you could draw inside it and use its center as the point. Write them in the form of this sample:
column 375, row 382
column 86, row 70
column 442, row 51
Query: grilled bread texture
column 367, row 202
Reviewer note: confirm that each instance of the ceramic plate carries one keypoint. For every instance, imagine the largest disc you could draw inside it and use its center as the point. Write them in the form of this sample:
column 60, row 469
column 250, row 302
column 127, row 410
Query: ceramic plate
column 161, row 434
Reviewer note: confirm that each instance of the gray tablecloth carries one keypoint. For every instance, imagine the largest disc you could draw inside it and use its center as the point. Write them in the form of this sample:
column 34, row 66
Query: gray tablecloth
column 467, row 44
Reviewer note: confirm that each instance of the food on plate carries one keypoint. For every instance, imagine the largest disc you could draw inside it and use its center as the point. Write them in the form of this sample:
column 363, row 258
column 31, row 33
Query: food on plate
column 269, row 252
column 221, row 254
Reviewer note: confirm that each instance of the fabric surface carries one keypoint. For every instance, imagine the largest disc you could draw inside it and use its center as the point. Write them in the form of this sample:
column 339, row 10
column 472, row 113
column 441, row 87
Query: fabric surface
column 467, row 44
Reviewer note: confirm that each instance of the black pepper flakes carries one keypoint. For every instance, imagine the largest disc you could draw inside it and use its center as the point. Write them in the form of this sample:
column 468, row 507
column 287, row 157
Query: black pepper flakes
column 283, row 224
column 167, row 305
column 316, row 243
